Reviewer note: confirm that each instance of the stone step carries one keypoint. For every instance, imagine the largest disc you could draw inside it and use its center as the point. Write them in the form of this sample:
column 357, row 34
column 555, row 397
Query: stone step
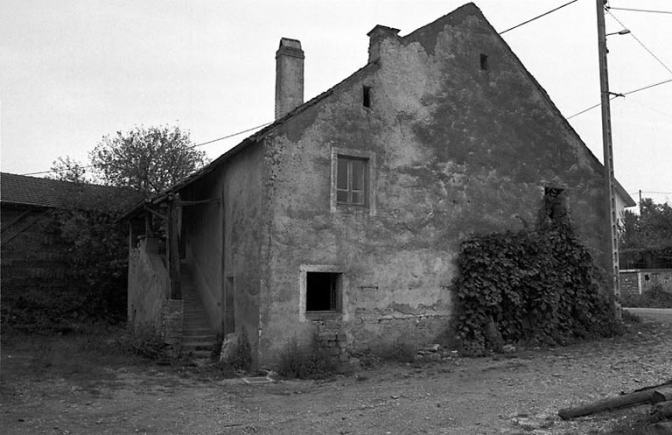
column 196, row 321
column 191, row 339
column 197, row 330
column 192, row 346
column 194, row 315
column 199, row 354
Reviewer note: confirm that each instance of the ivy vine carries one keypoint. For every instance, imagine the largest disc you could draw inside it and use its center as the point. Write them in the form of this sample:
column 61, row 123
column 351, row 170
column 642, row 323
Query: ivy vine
column 537, row 286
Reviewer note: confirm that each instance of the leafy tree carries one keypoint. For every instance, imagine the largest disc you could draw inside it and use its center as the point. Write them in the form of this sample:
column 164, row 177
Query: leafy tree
column 146, row 159
column 68, row 169
column 651, row 228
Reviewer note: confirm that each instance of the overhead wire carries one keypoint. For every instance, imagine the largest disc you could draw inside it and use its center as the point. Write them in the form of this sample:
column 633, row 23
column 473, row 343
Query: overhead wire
column 640, row 42
column 621, row 95
column 641, row 10
column 660, row 112
column 537, row 17
column 191, row 146
column 230, row 135
column 501, row 33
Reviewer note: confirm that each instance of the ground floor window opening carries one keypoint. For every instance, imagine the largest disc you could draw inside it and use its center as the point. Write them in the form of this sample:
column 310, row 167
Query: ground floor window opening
column 323, row 291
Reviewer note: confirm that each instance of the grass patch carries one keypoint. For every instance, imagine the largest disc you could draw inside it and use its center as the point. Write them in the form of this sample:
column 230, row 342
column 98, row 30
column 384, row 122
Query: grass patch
column 81, row 356
column 306, row 362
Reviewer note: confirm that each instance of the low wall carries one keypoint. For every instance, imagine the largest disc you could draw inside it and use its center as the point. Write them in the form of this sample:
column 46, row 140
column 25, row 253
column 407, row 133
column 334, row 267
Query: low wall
column 149, row 304
column 638, row 281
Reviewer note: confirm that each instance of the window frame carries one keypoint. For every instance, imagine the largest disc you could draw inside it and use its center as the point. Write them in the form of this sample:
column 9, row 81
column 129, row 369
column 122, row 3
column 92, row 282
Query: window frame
column 369, row 159
column 351, row 181
column 341, row 292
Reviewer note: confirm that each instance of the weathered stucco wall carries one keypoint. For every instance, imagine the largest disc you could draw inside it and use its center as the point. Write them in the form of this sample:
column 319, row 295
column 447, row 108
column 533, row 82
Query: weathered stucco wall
column 147, row 286
column 224, row 241
column 243, row 239
column 457, row 149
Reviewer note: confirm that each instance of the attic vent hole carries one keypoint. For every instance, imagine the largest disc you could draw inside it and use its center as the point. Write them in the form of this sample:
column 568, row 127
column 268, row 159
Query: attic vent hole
column 366, row 96
column 484, row 62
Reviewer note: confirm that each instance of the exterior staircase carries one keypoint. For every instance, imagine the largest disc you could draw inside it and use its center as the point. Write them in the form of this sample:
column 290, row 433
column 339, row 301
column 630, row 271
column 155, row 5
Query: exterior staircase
column 198, row 338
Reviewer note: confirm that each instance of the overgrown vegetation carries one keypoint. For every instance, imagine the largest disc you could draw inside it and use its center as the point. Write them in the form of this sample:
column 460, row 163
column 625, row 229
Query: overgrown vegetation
column 646, row 238
column 656, row 297
column 537, row 286
column 90, row 275
column 97, row 261
column 241, row 356
column 306, row 362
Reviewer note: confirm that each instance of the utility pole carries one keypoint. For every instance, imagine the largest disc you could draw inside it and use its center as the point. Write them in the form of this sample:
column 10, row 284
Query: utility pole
column 610, row 188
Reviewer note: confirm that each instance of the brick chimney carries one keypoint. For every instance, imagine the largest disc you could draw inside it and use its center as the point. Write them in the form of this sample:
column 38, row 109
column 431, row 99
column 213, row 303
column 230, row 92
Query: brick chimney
column 376, row 38
column 288, row 77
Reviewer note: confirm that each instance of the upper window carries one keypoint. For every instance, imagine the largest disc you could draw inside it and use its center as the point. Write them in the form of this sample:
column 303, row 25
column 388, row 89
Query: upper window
column 484, row 62
column 555, row 209
column 351, row 181
column 366, row 96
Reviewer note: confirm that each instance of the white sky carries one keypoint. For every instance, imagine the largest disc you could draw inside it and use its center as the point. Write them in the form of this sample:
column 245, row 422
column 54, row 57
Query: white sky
column 72, row 71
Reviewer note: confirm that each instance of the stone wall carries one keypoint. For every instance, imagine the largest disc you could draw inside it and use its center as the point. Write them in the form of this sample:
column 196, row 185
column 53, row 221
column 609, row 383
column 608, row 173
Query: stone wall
column 638, row 281
column 150, row 308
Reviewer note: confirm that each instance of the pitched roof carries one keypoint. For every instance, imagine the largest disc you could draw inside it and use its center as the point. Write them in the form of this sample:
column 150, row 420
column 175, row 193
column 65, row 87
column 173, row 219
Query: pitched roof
column 458, row 14
column 45, row 193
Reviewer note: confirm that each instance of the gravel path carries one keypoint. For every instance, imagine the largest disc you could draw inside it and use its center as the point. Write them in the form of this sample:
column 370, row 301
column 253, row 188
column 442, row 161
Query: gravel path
column 512, row 395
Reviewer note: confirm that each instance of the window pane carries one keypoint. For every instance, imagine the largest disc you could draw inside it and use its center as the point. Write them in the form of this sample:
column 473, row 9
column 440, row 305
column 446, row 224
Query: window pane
column 342, row 196
column 342, row 177
column 357, row 175
column 357, row 197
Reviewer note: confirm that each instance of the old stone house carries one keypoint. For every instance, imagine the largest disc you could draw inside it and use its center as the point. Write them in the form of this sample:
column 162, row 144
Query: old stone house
column 343, row 218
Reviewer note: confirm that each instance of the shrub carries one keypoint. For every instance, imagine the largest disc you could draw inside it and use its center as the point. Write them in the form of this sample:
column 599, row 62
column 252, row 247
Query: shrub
column 146, row 343
column 241, row 358
column 539, row 285
column 402, row 352
column 306, row 362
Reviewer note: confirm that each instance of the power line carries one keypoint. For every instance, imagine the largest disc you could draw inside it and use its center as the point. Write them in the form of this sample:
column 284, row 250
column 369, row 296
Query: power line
column 50, row 171
column 651, row 108
column 647, row 87
column 641, row 10
column 231, row 135
column 621, row 95
column 192, row 146
column 640, row 42
column 537, row 17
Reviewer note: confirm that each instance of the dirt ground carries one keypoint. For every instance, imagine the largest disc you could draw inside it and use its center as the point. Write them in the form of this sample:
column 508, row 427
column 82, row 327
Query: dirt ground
column 51, row 389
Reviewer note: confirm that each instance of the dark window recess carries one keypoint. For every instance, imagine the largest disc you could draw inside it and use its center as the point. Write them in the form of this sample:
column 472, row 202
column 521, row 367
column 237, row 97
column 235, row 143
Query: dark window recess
column 366, row 96
column 555, row 204
column 351, row 181
column 484, row 62
column 322, row 291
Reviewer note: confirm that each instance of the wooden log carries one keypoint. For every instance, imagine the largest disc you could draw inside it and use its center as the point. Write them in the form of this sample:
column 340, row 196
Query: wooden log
column 661, row 428
column 607, row 405
column 661, row 395
column 173, row 249
column 662, row 411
